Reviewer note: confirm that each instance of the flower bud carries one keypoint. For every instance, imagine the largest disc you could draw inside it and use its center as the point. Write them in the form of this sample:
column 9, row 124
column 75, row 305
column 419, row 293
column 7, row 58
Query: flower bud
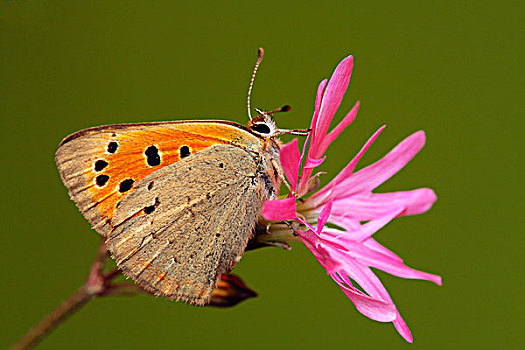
column 230, row 291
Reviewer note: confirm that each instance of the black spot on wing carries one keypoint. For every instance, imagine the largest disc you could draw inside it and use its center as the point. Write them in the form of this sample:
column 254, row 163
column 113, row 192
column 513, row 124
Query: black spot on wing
column 112, row 147
column 100, row 165
column 101, row 180
column 153, row 156
column 184, row 151
column 150, row 209
column 126, row 185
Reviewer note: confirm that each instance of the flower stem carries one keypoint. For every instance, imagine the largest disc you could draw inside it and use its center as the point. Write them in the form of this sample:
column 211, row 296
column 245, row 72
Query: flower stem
column 54, row 319
column 97, row 284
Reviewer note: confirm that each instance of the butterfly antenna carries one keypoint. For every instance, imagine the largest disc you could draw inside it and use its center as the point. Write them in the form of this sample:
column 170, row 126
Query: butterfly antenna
column 285, row 108
column 259, row 60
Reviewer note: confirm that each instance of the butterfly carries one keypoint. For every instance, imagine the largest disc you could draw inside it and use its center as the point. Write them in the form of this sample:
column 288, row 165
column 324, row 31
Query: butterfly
column 176, row 202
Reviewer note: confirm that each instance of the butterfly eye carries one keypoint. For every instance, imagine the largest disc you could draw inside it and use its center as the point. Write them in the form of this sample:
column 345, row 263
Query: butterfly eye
column 261, row 128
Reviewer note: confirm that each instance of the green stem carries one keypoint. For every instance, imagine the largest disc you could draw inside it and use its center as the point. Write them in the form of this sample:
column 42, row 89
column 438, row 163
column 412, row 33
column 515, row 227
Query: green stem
column 97, row 284
column 54, row 319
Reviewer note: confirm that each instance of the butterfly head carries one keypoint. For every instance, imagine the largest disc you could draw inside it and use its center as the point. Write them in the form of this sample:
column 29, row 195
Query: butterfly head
column 263, row 125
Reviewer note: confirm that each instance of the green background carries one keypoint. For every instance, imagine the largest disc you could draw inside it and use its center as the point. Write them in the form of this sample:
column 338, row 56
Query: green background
column 451, row 68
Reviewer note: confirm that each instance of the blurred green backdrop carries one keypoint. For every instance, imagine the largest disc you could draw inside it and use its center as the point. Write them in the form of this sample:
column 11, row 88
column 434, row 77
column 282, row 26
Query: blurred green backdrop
column 448, row 67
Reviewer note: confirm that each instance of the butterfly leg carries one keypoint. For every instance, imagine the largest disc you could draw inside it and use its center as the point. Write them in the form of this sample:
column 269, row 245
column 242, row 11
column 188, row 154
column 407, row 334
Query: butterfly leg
column 260, row 237
column 290, row 227
column 280, row 172
column 299, row 132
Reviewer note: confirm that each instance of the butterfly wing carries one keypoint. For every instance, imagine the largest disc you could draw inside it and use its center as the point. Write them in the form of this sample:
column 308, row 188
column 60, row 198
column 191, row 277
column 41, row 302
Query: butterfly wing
column 188, row 222
column 100, row 166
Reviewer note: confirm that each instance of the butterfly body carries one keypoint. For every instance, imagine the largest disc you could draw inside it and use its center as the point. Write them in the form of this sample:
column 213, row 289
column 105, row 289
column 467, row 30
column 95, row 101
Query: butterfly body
column 176, row 201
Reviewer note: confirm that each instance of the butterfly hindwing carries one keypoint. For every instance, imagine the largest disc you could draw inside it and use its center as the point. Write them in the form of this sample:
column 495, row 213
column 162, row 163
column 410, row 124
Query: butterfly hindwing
column 186, row 223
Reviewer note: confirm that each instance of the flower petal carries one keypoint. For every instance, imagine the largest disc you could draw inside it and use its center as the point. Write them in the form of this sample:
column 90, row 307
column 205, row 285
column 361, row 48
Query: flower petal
column 279, row 210
column 373, row 308
column 365, row 207
column 317, row 198
column 371, row 227
column 311, row 241
column 312, row 162
column 318, row 101
column 346, row 222
column 416, row 201
column 290, row 161
column 374, row 175
column 403, row 329
column 332, row 98
column 302, row 188
column 370, row 206
column 365, row 278
column 371, row 284
column 374, row 245
column 404, row 271
column 323, row 216
column 366, row 256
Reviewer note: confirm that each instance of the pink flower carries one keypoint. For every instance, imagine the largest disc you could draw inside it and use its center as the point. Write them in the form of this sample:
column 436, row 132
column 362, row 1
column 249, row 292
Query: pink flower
column 347, row 202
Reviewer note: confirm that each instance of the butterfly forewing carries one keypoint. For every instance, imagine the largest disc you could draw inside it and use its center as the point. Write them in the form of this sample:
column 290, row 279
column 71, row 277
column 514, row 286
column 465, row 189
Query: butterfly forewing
column 101, row 166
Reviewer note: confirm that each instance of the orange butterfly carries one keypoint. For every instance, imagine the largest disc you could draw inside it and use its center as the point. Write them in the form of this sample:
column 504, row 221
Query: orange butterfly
column 176, row 201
